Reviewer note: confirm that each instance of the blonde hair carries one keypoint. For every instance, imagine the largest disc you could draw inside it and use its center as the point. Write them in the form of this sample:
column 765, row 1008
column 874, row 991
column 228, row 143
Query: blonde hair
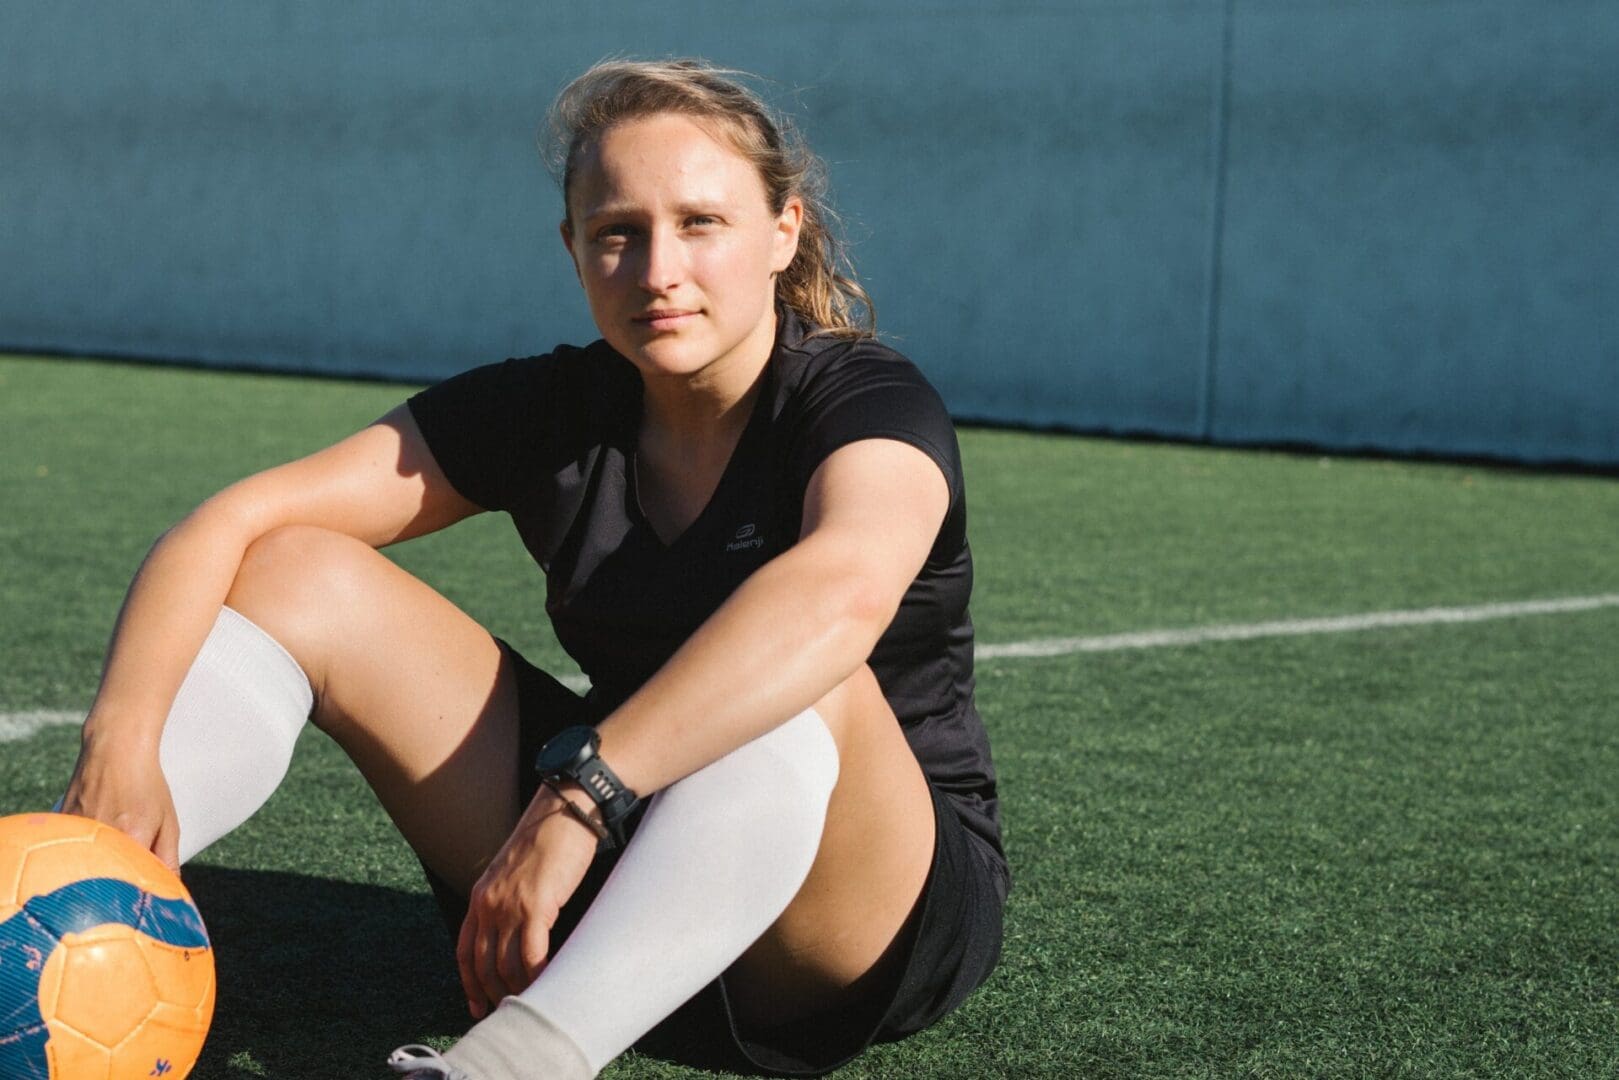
column 820, row 283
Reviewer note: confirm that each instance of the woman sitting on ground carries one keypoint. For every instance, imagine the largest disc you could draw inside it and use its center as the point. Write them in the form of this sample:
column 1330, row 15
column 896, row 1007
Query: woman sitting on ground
column 751, row 522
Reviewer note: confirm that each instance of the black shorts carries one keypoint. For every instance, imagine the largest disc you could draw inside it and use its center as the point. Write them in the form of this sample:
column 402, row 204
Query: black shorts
column 955, row 935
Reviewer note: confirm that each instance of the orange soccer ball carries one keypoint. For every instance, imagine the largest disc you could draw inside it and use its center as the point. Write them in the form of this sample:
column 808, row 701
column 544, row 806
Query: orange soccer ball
column 106, row 972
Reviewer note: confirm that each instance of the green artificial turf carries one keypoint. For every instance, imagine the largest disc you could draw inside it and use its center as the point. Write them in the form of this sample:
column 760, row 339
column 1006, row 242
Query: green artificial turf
column 1385, row 853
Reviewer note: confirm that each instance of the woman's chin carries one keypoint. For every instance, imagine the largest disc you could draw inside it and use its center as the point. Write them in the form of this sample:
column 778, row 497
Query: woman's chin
column 669, row 356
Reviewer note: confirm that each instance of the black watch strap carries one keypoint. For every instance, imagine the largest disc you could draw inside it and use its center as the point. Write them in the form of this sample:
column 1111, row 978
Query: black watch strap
column 572, row 755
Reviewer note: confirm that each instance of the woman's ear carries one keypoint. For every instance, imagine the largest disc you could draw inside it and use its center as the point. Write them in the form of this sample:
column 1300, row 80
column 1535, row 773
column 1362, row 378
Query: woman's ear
column 788, row 225
column 565, row 227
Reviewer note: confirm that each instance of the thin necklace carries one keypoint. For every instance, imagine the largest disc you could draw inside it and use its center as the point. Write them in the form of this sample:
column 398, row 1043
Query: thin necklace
column 635, row 483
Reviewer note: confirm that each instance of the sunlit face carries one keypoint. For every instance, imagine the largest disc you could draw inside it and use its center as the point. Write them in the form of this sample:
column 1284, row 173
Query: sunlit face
column 677, row 247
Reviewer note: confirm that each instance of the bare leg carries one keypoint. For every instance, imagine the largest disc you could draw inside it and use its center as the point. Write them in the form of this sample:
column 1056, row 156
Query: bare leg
column 424, row 702
column 414, row 691
column 838, row 936
column 743, row 858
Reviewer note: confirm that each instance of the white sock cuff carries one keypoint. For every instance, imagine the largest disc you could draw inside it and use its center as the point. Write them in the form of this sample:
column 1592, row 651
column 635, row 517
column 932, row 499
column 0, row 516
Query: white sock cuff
column 790, row 768
column 241, row 651
column 516, row 1042
column 229, row 738
column 805, row 743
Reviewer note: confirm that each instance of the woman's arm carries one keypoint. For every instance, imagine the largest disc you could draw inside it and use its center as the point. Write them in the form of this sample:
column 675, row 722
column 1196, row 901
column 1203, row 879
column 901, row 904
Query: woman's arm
column 797, row 627
column 380, row 485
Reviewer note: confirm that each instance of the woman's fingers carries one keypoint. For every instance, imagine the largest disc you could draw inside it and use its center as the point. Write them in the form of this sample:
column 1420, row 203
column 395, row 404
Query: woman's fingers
column 492, row 948
column 166, row 844
column 131, row 795
column 466, row 951
column 509, row 961
column 488, row 952
column 494, row 961
column 534, row 945
column 505, row 937
column 487, row 966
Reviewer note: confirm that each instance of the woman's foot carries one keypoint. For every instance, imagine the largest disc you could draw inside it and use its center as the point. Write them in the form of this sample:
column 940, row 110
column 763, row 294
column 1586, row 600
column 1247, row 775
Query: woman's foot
column 420, row 1062
column 512, row 1043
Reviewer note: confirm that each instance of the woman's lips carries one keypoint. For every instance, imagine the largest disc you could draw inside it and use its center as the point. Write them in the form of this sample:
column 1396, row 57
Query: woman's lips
column 668, row 319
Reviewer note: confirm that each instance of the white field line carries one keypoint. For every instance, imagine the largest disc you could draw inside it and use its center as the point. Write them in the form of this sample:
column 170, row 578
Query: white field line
column 15, row 726
column 1340, row 624
column 20, row 725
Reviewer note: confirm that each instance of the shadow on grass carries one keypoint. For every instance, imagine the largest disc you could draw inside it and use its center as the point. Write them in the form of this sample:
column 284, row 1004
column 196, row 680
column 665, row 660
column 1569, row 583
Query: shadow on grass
column 321, row 978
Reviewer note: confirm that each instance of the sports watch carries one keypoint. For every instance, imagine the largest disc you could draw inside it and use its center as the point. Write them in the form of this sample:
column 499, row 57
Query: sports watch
column 573, row 754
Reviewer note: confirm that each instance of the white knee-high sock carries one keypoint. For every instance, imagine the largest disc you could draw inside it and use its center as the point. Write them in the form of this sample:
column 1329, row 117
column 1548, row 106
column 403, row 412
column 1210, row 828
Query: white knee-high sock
column 229, row 737
column 716, row 860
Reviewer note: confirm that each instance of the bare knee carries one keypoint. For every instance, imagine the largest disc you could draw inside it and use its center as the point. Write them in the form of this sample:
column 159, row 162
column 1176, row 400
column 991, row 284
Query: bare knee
column 292, row 579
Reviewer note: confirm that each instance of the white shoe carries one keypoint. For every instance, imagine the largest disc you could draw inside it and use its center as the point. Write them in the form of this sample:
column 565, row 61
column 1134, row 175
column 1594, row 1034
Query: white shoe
column 420, row 1062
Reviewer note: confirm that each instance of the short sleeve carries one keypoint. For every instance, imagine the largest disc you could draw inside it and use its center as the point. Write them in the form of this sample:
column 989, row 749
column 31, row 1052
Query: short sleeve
column 492, row 426
column 878, row 395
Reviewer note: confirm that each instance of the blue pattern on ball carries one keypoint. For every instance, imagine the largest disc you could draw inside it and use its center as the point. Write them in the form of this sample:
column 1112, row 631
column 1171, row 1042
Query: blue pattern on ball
column 31, row 935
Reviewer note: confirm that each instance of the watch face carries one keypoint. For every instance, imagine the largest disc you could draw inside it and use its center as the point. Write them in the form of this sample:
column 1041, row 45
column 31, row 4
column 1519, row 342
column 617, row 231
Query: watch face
column 565, row 748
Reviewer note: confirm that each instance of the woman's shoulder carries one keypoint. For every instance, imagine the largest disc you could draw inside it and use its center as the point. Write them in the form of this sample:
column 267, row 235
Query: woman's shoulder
column 574, row 374
column 596, row 364
column 800, row 337
column 560, row 395
column 831, row 391
column 825, row 372
column 816, row 364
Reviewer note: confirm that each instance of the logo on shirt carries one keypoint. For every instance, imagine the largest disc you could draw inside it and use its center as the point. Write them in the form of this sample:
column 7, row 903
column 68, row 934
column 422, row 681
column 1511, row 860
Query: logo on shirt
column 745, row 539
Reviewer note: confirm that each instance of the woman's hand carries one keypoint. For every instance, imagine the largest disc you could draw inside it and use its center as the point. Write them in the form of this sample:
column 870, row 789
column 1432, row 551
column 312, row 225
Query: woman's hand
column 505, row 937
column 380, row 485
column 123, row 786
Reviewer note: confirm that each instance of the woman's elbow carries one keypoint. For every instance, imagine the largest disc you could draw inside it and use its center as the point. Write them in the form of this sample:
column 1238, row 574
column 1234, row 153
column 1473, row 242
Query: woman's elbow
column 222, row 517
column 863, row 605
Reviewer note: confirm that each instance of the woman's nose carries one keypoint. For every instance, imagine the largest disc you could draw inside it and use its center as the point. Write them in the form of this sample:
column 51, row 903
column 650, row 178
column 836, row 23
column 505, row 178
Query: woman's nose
column 665, row 262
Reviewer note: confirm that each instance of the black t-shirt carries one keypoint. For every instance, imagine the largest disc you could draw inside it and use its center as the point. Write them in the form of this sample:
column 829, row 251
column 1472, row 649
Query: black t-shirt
column 549, row 440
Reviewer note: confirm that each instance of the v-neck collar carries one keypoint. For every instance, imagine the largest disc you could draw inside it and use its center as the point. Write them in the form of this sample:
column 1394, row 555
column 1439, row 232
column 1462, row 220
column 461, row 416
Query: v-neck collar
column 789, row 331
column 739, row 453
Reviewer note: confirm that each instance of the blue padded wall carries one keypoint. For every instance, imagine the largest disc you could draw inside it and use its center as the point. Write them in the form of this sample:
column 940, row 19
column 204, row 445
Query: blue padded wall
column 1381, row 225
column 1421, row 237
